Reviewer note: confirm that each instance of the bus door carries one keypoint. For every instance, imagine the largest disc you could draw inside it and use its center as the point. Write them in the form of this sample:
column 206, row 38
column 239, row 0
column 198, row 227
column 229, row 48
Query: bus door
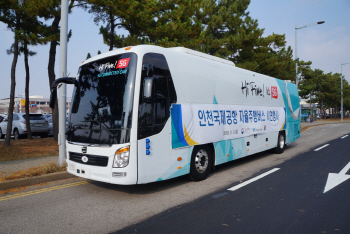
column 157, row 93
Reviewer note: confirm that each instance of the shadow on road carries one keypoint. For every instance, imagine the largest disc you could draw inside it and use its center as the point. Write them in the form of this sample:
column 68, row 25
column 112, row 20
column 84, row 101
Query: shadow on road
column 156, row 187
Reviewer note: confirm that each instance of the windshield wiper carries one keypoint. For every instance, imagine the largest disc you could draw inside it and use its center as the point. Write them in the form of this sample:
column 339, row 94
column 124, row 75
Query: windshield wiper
column 113, row 129
column 72, row 129
column 107, row 130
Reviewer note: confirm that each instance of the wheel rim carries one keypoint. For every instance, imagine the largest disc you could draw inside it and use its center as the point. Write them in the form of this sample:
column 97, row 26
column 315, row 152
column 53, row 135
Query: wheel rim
column 201, row 161
column 281, row 141
column 16, row 135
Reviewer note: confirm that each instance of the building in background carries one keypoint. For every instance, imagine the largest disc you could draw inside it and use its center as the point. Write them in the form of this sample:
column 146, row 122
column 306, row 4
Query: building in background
column 37, row 104
column 309, row 112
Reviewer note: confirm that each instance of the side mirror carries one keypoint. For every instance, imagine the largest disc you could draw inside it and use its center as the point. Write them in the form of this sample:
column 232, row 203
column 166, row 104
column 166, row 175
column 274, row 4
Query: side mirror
column 147, row 88
column 65, row 80
column 147, row 73
column 147, row 70
column 53, row 97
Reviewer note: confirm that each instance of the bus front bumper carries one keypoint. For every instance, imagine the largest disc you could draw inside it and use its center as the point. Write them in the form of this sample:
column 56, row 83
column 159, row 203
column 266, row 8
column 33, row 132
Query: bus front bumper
column 103, row 174
column 96, row 163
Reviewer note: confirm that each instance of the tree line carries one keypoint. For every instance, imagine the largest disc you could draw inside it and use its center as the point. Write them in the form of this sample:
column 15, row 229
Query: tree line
column 221, row 28
column 323, row 89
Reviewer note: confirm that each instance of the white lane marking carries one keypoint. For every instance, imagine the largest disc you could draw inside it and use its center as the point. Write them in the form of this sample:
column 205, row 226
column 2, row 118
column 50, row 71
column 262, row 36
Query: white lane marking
column 344, row 136
column 335, row 179
column 252, row 180
column 321, row 147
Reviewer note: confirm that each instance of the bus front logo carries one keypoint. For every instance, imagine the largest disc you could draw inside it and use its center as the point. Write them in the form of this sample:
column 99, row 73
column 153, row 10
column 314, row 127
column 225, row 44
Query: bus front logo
column 84, row 159
column 274, row 92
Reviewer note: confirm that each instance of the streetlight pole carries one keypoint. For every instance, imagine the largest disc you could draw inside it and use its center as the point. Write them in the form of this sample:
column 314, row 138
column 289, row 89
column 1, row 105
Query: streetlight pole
column 296, row 57
column 341, row 88
column 62, row 73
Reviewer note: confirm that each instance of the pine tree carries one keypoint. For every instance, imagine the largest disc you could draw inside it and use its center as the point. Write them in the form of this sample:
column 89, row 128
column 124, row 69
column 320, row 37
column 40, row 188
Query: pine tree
column 10, row 14
column 230, row 33
column 52, row 11
column 159, row 22
column 20, row 17
column 31, row 34
column 228, row 29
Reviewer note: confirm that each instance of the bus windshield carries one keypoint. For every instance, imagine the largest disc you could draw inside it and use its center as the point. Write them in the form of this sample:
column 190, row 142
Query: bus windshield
column 101, row 108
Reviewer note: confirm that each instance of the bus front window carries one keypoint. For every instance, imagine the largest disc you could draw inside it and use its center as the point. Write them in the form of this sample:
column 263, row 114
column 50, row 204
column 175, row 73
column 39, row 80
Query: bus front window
column 101, row 111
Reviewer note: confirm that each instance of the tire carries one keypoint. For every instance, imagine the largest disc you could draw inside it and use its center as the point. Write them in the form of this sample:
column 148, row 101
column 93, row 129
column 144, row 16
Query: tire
column 201, row 163
column 280, row 143
column 16, row 134
column 2, row 136
column 44, row 135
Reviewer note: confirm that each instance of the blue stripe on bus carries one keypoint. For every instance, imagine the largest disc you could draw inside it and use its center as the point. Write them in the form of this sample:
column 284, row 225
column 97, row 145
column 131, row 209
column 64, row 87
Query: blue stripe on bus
column 176, row 118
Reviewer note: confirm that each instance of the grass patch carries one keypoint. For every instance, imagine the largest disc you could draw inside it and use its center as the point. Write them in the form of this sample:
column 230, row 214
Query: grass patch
column 35, row 171
column 13, row 190
column 28, row 148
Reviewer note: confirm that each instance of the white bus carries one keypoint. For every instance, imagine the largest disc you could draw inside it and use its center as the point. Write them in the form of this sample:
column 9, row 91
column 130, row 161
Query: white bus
column 145, row 113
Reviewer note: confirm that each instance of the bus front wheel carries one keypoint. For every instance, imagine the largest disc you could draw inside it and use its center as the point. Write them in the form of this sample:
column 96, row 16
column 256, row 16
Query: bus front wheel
column 201, row 163
column 280, row 143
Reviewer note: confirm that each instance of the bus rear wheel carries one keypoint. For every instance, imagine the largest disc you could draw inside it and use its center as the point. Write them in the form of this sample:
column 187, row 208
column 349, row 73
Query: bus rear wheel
column 280, row 143
column 201, row 163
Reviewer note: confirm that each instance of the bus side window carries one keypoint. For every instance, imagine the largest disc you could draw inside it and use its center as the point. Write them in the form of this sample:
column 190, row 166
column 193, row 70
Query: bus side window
column 155, row 111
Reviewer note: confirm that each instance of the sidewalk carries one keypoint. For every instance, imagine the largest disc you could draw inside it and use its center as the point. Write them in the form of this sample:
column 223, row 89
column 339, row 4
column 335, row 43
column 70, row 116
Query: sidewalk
column 9, row 167
column 304, row 125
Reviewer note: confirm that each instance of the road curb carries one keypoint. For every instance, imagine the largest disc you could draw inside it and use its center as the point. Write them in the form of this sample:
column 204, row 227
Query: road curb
column 314, row 125
column 35, row 180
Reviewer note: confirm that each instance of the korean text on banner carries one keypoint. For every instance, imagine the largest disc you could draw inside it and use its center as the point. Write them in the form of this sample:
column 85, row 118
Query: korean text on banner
column 194, row 124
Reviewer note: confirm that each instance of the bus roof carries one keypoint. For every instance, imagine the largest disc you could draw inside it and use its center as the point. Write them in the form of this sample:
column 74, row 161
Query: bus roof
column 203, row 55
column 154, row 48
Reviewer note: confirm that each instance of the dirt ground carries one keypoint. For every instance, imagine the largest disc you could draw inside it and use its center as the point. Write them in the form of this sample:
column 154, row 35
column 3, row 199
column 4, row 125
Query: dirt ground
column 25, row 148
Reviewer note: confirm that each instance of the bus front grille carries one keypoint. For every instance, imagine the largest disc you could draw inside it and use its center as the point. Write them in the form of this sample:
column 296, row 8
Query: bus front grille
column 93, row 160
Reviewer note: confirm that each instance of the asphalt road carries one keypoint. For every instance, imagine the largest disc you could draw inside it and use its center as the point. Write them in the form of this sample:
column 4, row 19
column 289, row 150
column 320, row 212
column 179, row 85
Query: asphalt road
column 289, row 200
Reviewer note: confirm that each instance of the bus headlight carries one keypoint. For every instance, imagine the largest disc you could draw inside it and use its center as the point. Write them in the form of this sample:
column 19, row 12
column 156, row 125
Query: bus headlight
column 121, row 157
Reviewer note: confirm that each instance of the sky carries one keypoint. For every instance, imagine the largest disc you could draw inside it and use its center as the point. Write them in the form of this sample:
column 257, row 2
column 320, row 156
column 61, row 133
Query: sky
column 326, row 45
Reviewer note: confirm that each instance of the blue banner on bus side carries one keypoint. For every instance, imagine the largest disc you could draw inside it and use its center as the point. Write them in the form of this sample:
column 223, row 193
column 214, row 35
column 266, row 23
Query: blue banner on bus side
column 194, row 124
